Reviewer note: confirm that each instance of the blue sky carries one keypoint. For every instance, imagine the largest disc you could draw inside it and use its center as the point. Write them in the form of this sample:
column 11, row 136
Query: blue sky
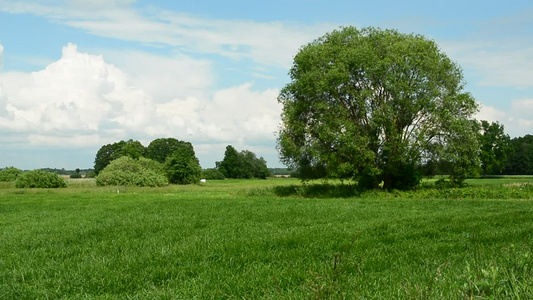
column 79, row 74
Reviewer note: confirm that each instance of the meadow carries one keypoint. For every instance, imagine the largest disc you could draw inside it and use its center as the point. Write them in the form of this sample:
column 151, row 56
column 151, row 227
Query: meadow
column 267, row 239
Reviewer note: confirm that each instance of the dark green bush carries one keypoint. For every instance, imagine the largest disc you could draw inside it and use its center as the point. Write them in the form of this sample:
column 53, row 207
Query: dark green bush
column 9, row 174
column 183, row 167
column 40, row 179
column 212, row 174
column 75, row 176
column 127, row 171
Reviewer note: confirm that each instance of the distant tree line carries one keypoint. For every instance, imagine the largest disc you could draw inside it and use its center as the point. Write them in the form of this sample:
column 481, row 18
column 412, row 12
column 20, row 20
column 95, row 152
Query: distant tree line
column 498, row 154
column 520, row 161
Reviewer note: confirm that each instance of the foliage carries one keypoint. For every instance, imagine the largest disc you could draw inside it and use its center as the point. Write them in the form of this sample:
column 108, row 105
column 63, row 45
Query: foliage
column 212, row 174
column 160, row 149
column 182, row 166
column 110, row 152
column 127, row 171
column 520, row 162
column 90, row 174
column 373, row 105
column 9, row 174
column 231, row 164
column 495, row 148
column 253, row 167
column 40, row 179
column 244, row 164
column 76, row 176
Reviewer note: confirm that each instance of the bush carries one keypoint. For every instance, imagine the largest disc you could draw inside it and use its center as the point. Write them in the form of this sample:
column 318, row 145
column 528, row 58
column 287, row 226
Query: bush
column 212, row 174
column 126, row 171
column 9, row 174
column 75, row 176
column 40, row 179
column 90, row 174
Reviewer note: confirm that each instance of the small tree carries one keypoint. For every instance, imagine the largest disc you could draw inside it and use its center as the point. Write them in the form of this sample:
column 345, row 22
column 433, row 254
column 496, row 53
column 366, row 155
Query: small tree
column 231, row 165
column 182, row 166
column 495, row 147
column 76, row 175
column 244, row 164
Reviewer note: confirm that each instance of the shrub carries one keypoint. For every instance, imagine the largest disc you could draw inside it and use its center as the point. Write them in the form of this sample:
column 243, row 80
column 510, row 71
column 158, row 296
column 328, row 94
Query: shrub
column 40, row 179
column 75, row 176
column 90, row 174
column 9, row 174
column 213, row 174
column 126, row 171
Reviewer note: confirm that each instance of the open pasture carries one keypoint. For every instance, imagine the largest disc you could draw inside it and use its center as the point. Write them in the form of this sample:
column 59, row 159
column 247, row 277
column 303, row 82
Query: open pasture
column 245, row 240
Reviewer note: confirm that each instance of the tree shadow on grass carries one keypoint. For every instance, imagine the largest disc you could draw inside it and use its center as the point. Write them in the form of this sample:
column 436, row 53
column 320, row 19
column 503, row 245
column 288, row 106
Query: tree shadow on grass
column 324, row 190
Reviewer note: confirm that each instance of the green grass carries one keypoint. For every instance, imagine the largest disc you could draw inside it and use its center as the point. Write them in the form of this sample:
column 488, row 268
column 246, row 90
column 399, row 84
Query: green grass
column 240, row 240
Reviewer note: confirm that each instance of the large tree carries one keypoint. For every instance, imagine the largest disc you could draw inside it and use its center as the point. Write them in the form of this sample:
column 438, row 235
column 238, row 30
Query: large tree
column 495, row 147
column 373, row 105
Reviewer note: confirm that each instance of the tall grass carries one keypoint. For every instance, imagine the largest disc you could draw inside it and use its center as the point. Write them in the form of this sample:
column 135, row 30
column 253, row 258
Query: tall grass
column 240, row 240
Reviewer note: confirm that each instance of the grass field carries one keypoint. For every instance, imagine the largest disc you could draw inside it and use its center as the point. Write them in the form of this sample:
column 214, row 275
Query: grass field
column 273, row 239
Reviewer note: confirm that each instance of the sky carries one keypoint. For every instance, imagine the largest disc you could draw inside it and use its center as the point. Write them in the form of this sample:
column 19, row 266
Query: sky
column 78, row 74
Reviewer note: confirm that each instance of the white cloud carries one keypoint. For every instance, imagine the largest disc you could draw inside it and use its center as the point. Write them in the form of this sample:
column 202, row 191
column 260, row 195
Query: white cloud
column 507, row 63
column 272, row 43
column 518, row 120
column 1, row 56
column 233, row 114
column 76, row 95
column 164, row 77
column 81, row 101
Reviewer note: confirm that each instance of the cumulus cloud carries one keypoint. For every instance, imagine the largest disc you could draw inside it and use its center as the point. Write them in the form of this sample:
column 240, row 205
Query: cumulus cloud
column 82, row 100
column 517, row 119
column 164, row 77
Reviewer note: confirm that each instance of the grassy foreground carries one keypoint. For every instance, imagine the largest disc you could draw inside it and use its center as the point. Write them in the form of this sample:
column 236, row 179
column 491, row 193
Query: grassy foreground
column 241, row 240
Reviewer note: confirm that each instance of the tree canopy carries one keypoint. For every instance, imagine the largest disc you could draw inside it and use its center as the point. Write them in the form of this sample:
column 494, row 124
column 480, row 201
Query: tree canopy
column 244, row 164
column 495, row 148
column 373, row 105
column 107, row 153
column 160, row 149
column 520, row 161
column 182, row 166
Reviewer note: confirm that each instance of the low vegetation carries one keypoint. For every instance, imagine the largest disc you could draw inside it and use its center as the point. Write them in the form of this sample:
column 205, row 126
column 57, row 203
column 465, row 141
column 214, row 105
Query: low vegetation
column 126, row 171
column 9, row 174
column 267, row 239
column 39, row 179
